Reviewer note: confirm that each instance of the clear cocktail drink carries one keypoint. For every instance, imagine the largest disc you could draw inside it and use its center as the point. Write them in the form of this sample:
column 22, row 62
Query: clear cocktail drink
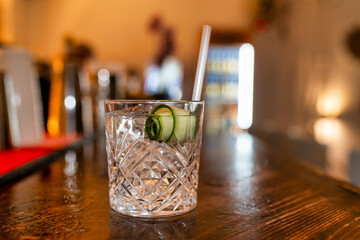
column 153, row 150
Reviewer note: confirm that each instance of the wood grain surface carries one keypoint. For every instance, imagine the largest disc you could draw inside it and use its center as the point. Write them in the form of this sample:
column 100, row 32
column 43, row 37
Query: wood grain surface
column 246, row 191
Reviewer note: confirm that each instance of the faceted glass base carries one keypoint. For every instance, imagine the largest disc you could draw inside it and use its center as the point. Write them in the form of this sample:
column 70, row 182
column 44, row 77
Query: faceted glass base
column 142, row 214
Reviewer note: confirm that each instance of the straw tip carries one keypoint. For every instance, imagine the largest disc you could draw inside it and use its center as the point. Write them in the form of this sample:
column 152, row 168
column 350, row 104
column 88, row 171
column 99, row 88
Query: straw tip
column 207, row 27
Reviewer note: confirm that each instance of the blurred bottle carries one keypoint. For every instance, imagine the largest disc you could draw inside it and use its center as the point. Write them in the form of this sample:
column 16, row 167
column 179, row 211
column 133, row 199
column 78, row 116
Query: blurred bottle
column 72, row 98
column 164, row 73
column 4, row 138
column 44, row 74
column 134, row 85
column 22, row 94
column 70, row 102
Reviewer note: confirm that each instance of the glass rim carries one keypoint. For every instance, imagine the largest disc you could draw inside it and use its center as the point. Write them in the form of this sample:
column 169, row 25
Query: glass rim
column 150, row 101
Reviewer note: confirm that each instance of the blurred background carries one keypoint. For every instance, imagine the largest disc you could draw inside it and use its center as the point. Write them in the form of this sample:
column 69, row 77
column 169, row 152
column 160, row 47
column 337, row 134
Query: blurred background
column 60, row 59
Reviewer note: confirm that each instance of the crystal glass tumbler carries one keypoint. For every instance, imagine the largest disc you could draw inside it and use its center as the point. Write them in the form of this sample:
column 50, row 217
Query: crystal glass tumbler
column 153, row 152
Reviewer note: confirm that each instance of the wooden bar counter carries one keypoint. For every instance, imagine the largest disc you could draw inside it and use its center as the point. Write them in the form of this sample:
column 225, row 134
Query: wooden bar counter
column 246, row 191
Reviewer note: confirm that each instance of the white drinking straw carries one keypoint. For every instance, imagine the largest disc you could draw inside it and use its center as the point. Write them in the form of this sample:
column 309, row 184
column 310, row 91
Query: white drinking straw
column 200, row 71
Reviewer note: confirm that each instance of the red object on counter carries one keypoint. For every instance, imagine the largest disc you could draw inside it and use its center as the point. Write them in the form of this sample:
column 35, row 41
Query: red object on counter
column 15, row 158
column 12, row 159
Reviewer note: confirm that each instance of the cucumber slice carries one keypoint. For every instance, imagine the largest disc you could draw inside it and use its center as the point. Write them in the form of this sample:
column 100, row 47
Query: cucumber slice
column 160, row 125
column 170, row 124
column 181, row 122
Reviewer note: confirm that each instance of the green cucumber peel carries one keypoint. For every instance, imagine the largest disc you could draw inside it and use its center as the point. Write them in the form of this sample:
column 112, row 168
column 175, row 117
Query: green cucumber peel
column 154, row 125
column 168, row 124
